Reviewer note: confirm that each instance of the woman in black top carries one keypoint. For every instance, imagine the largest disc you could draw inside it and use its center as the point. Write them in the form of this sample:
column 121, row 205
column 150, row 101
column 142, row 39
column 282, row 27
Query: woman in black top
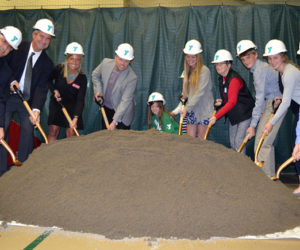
column 68, row 87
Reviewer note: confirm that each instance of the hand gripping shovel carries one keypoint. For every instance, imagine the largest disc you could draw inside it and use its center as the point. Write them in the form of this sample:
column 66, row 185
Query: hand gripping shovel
column 209, row 126
column 64, row 110
column 100, row 103
column 183, row 102
column 217, row 107
column 7, row 147
column 264, row 134
column 19, row 93
column 243, row 143
column 283, row 166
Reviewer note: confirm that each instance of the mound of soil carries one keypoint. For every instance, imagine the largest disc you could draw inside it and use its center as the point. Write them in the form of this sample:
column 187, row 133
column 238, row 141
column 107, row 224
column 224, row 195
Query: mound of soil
column 144, row 183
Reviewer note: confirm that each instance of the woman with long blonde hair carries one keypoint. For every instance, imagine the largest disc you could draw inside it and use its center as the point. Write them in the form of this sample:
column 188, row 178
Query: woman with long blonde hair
column 197, row 88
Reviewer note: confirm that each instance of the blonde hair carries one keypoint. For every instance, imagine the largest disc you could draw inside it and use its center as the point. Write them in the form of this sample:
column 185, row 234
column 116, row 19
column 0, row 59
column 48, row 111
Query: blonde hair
column 191, row 76
column 65, row 65
column 287, row 60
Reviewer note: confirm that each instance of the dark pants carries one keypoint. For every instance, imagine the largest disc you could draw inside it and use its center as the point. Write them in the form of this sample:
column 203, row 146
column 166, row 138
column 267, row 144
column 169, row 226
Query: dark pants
column 14, row 104
column 110, row 114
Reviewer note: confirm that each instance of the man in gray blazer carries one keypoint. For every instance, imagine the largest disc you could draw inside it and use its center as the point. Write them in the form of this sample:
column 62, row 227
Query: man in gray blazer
column 114, row 83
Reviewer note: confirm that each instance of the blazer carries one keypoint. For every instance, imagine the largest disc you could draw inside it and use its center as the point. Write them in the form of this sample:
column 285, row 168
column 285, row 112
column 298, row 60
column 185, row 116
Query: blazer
column 40, row 73
column 5, row 80
column 202, row 102
column 123, row 93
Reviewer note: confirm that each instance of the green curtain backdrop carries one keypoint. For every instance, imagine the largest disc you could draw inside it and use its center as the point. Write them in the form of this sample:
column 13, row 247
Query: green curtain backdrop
column 158, row 36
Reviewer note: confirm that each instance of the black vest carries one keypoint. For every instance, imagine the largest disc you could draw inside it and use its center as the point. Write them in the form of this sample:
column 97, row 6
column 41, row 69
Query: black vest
column 245, row 102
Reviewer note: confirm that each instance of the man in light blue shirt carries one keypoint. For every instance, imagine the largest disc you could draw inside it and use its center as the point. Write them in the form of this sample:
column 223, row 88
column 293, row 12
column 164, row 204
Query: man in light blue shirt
column 265, row 81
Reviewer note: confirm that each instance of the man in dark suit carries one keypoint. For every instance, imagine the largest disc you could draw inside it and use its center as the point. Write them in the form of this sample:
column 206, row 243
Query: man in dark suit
column 35, row 89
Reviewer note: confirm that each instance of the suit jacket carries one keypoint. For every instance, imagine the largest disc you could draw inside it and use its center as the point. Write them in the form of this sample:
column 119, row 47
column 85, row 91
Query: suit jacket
column 123, row 93
column 40, row 73
column 5, row 80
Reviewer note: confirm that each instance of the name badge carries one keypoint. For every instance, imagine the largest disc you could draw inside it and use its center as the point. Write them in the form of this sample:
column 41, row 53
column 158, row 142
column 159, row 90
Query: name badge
column 75, row 86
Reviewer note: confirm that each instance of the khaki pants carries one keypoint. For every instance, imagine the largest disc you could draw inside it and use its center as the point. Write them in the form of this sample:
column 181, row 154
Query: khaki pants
column 267, row 153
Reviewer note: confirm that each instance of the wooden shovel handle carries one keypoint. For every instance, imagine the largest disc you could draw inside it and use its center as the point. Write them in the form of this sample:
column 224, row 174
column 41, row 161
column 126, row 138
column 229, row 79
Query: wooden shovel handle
column 64, row 110
column 209, row 126
column 181, row 121
column 104, row 117
column 37, row 123
column 282, row 166
column 7, row 147
column 243, row 144
column 260, row 164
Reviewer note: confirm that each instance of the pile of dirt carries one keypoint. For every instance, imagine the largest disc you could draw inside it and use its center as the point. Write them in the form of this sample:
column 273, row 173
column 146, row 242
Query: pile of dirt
column 144, row 183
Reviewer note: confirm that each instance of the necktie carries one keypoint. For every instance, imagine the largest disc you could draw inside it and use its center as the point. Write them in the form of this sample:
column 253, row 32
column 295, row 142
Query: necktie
column 28, row 76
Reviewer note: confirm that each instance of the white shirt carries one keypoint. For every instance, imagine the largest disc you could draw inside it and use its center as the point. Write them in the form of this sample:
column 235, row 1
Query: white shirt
column 35, row 57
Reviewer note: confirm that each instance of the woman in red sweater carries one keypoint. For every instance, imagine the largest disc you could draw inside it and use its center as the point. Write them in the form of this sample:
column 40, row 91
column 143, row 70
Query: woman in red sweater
column 236, row 99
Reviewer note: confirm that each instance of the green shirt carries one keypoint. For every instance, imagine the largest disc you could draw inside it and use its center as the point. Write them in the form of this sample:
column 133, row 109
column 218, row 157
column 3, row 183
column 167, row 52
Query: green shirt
column 168, row 125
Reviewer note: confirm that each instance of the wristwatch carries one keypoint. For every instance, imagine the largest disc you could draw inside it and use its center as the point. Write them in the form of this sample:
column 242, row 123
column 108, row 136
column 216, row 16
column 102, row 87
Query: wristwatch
column 115, row 122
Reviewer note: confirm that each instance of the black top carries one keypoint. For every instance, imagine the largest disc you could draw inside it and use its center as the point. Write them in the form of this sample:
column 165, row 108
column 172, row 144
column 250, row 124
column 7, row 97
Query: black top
column 245, row 102
column 72, row 94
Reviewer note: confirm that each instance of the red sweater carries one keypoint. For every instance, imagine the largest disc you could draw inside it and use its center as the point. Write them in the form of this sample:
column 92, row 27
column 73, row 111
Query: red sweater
column 233, row 91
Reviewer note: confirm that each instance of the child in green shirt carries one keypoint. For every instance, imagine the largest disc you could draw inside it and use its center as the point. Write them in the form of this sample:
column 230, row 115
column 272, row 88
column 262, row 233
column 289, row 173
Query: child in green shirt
column 158, row 116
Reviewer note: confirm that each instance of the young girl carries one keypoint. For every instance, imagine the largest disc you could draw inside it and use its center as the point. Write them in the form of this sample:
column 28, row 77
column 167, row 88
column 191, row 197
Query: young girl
column 290, row 76
column 236, row 98
column 197, row 87
column 158, row 116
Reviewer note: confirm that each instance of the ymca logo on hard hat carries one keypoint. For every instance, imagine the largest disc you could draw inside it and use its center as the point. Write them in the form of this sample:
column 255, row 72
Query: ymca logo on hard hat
column 12, row 35
column 125, row 51
column 222, row 55
column 156, row 97
column 244, row 45
column 192, row 47
column 45, row 25
column 274, row 47
column 74, row 48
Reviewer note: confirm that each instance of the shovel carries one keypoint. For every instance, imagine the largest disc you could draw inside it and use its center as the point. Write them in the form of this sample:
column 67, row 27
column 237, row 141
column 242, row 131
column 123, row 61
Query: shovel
column 7, row 147
column 183, row 102
column 264, row 134
column 19, row 93
column 283, row 166
column 64, row 110
column 217, row 107
column 209, row 126
column 100, row 103
column 243, row 143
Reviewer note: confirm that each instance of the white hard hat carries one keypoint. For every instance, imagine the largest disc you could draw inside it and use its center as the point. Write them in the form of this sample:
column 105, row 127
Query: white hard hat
column 156, row 97
column 244, row 45
column 274, row 47
column 12, row 35
column 125, row 51
column 192, row 47
column 74, row 48
column 45, row 25
column 222, row 55
column 298, row 52
column 182, row 75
